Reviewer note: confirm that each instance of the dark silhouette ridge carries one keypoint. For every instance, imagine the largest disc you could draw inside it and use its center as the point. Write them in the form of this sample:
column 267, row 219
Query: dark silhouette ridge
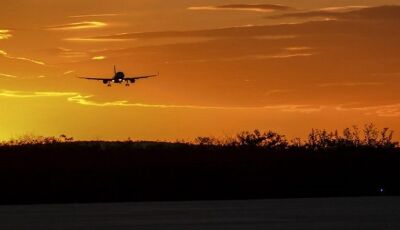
column 251, row 165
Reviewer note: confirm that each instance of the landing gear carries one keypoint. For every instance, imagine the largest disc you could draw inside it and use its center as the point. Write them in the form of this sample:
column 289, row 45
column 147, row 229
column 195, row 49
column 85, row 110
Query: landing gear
column 109, row 84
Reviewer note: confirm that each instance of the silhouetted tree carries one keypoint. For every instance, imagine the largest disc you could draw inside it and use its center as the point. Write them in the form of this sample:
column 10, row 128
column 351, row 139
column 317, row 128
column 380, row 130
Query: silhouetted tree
column 254, row 138
column 274, row 140
column 386, row 140
column 321, row 139
column 206, row 141
column 370, row 135
column 351, row 137
column 296, row 142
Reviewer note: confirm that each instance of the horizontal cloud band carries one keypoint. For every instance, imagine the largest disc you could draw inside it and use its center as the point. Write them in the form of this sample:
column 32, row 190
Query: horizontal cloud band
column 392, row 110
column 85, row 100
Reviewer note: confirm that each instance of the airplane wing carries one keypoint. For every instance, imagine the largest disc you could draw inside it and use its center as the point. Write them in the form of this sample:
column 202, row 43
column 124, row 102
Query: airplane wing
column 140, row 77
column 96, row 78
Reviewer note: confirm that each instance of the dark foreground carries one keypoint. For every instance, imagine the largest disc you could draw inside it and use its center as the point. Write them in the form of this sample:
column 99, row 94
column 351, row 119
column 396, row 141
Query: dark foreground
column 311, row 213
column 98, row 172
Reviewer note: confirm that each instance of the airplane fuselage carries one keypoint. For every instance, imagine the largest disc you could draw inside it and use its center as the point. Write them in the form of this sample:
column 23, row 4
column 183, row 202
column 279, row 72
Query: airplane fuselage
column 118, row 77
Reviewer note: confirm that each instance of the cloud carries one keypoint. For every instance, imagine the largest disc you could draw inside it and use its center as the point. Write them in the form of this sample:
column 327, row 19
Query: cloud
column 98, row 58
column 289, row 55
column 347, row 15
column 276, row 91
column 14, row 76
column 6, row 55
column 297, row 108
column 284, row 54
column 7, row 75
column 86, row 100
column 5, row 34
column 298, row 48
column 94, row 15
column 246, row 57
column 393, row 74
column 342, row 8
column 391, row 12
column 74, row 54
column 331, row 40
column 78, row 26
column 271, row 32
column 391, row 110
column 68, row 72
column 350, row 84
column 21, row 94
column 67, row 53
column 265, row 31
column 95, row 39
column 245, row 7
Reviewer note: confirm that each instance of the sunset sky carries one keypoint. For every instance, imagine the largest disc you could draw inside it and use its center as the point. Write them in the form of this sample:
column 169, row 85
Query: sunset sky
column 225, row 66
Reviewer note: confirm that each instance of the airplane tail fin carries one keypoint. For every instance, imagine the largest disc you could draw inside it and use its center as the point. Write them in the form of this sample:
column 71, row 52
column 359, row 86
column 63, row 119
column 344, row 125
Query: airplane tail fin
column 115, row 70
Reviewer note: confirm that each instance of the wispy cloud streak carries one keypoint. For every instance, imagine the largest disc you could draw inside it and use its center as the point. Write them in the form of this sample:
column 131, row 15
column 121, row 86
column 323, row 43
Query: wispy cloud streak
column 391, row 110
column 69, row 72
column 342, row 8
column 244, row 7
column 86, row 100
column 78, row 26
column 249, row 57
column 94, row 15
column 7, row 75
column 20, row 94
column 6, row 55
column 350, row 84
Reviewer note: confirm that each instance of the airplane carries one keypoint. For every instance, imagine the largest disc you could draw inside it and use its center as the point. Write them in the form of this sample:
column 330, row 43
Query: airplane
column 119, row 78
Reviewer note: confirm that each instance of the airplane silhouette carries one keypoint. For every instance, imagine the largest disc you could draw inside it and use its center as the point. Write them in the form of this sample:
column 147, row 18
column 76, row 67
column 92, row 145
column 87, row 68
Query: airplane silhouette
column 119, row 78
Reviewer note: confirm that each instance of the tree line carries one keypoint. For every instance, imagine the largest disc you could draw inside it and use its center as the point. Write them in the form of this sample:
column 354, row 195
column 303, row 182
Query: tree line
column 369, row 136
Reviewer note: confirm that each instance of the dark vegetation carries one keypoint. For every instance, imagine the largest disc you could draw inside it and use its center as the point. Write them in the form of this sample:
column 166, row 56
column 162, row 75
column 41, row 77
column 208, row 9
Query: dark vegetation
column 254, row 164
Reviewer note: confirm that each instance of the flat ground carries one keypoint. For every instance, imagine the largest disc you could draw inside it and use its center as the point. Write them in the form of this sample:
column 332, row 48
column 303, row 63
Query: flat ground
column 313, row 213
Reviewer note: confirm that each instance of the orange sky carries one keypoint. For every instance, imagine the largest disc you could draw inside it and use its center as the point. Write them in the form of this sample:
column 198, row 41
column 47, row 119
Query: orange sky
column 225, row 66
